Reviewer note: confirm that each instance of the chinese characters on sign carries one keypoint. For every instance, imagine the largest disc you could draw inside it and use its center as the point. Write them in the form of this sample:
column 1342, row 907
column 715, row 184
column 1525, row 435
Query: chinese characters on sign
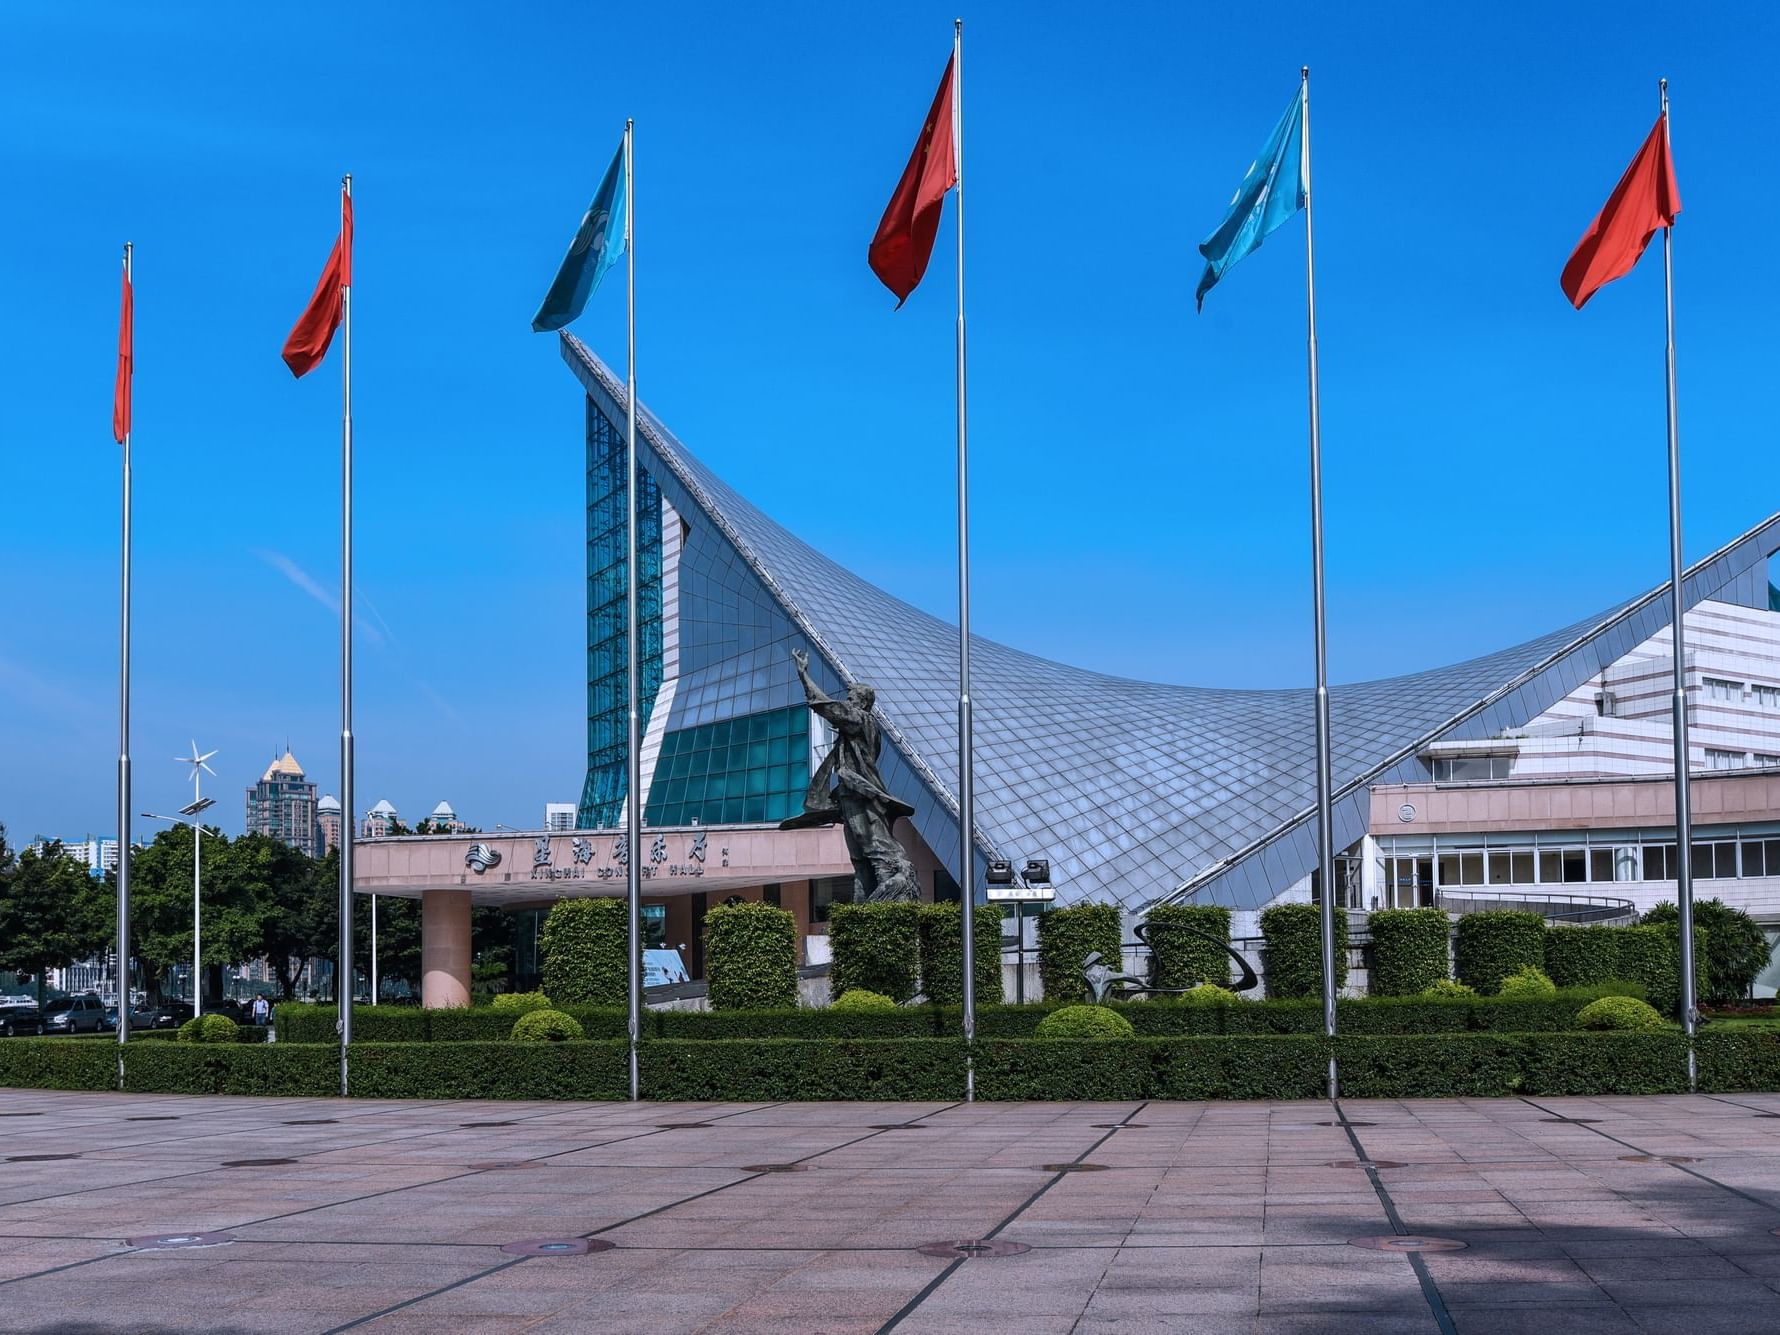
column 580, row 864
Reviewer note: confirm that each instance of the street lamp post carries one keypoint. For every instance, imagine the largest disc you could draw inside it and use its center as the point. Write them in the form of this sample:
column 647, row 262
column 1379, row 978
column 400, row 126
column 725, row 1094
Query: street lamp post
column 188, row 815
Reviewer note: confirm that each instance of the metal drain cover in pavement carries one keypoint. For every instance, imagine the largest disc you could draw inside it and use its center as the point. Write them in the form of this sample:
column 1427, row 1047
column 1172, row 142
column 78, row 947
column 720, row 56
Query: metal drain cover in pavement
column 1411, row 1242
column 255, row 1163
column 488, row 1124
column 1072, row 1167
column 1333, row 1122
column 312, row 1121
column 773, row 1167
column 973, row 1249
column 1118, row 1126
column 1572, row 1121
column 680, row 1126
column 34, row 1114
column 1362, row 1163
column 158, row 1117
column 558, row 1246
column 38, row 1158
column 899, row 1126
column 1655, row 1158
column 162, row 1241
column 38, row 1114
column 497, row 1165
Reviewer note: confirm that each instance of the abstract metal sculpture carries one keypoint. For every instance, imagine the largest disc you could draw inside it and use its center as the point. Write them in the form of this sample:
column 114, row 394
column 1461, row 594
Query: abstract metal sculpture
column 848, row 791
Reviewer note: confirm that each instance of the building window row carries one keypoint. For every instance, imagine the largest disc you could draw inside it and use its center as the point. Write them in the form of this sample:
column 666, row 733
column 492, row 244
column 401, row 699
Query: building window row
column 1472, row 769
column 1412, row 879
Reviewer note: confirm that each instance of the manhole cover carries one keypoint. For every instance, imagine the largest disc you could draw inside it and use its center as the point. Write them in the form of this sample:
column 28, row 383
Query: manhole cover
column 899, row 1126
column 160, row 1117
column 680, row 1126
column 1571, row 1121
column 38, row 1158
column 498, row 1165
column 488, row 1124
column 773, row 1167
column 1336, row 1122
column 312, row 1121
column 34, row 1114
column 1407, row 1242
column 1072, row 1167
column 558, row 1246
column 38, row 1114
column 1655, row 1158
column 1363, row 1163
column 160, row 1241
column 1119, row 1126
column 973, row 1249
column 255, row 1163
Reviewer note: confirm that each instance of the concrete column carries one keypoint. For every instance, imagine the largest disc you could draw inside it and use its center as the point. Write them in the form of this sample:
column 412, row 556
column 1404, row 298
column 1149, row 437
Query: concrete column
column 444, row 949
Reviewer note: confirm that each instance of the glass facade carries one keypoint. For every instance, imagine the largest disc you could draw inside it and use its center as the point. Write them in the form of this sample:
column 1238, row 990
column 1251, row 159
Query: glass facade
column 750, row 769
column 602, row 796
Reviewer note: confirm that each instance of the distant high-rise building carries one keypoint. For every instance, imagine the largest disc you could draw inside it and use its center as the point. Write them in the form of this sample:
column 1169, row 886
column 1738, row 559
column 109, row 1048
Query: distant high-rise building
column 282, row 806
column 444, row 820
column 98, row 856
column 559, row 815
column 327, row 824
column 380, row 821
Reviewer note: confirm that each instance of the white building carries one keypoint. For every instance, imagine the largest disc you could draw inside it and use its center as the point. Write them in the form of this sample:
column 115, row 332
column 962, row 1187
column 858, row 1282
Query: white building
column 98, row 856
column 559, row 816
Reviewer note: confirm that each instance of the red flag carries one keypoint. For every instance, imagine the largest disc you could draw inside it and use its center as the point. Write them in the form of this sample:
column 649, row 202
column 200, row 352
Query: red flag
column 904, row 243
column 1645, row 199
column 308, row 341
column 126, row 363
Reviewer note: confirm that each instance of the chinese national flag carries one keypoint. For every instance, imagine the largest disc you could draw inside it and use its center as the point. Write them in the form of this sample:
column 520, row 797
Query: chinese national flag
column 1646, row 198
column 308, row 341
column 126, row 364
column 904, row 243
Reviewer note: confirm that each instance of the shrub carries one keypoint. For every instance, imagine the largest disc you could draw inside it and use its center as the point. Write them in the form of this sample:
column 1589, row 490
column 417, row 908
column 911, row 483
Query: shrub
column 1408, row 950
column 1065, row 938
column 1578, row 956
column 750, row 957
column 1447, row 987
column 1209, row 994
column 1652, row 956
column 546, row 1027
column 790, row 1069
column 584, row 945
column 1294, row 937
column 1527, row 983
column 209, row 1029
column 1494, row 943
column 1620, row 1013
column 1085, row 1022
column 517, row 1003
column 861, row 1000
column 1737, row 948
column 1587, row 1063
column 942, row 953
column 876, row 947
column 1185, row 958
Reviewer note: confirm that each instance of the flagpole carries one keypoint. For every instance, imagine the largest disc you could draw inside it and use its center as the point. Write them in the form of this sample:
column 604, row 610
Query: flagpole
column 633, row 810
column 1683, row 806
column 1325, row 852
column 123, row 719
column 966, row 777
column 343, row 972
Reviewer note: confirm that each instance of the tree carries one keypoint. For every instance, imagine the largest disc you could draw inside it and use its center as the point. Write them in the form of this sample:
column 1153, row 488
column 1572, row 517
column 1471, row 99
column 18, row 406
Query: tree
column 291, row 917
column 52, row 913
column 1737, row 949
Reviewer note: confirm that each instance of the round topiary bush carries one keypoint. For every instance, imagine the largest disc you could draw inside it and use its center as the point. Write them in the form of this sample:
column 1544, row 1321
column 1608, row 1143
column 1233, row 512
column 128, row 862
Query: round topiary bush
column 862, row 999
column 1446, row 987
column 1527, row 983
column 1208, row 994
column 209, row 1029
column 1623, row 1013
column 546, row 1027
column 517, row 1003
column 1097, row 1022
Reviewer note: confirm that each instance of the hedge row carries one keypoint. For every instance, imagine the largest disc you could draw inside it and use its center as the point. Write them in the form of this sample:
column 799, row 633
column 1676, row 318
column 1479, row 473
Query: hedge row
column 299, row 1023
column 1457, row 1065
column 1294, row 944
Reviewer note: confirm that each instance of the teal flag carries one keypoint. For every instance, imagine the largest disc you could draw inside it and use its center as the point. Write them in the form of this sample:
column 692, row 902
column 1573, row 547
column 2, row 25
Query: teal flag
column 1272, row 191
column 598, row 243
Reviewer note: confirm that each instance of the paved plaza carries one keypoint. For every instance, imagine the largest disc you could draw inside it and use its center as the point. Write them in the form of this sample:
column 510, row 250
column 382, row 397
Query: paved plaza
column 1576, row 1215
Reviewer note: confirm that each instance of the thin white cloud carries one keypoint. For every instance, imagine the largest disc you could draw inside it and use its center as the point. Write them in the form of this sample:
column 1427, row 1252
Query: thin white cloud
column 307, row 583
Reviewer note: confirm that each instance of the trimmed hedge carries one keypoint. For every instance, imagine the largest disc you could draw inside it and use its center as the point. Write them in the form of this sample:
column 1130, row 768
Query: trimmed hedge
column 751, row 957
column 875, row 947
column 1409, row 951
column 584, row 944
column 208, row 1029
column 942, row 953
column 1577, row 956
column 1183, row 959
column 518, row 1003
column 1294, row 937
column 1621, row 1013
column 1252, row 1066
column 301, row 1022
column 1652, row 956
column 1495, row 943
column 546, row 1026
column 1085, row 1022
column 1065, row 939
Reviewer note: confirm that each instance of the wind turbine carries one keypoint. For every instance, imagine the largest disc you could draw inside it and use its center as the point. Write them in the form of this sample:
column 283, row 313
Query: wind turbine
column 188, row 815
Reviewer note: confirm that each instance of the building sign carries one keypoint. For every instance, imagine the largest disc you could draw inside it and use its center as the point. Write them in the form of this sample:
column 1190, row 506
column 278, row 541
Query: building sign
column 1020, row 894
column 607, row 858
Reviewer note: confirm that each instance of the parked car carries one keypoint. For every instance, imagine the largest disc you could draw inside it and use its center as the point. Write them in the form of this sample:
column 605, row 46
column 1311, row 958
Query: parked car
column 74, row 1015
column 111, row 1019
column 170, row 1016
column 16, row 1020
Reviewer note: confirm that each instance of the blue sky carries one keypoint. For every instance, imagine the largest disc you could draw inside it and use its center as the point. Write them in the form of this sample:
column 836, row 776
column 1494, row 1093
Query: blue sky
column 1494, row 459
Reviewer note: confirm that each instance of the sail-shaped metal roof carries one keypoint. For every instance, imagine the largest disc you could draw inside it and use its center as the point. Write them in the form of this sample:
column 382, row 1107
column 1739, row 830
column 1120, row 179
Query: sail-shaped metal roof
column 1138, row 791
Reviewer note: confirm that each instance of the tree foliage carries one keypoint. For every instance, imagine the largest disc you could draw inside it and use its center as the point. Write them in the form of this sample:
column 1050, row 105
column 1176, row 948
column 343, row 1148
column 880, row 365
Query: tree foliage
column 1737, row 949
column 52, row 913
